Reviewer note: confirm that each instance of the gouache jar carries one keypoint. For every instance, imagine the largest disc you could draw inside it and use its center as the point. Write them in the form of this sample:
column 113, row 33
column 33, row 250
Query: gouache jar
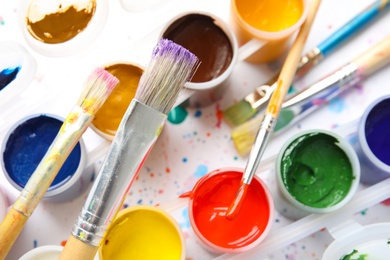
column 49, row 252
column 214, row 43
column 374, row 141
column 317, row 171
column 58, row 28
column 109, row 116
column 25, row 145
column 209, row 201
column 143, row 232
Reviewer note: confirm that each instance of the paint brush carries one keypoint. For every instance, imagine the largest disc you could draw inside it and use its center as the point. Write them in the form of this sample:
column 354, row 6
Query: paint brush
column 321, row 92
column 254, row 102
column 96, row 89
column 273, row 108
column 170, row 68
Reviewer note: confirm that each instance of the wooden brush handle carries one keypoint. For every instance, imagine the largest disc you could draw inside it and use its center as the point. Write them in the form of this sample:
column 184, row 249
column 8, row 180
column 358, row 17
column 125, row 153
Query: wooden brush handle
column 291, row 63
column 10, row 229
column 374, row 59
column 76, row 249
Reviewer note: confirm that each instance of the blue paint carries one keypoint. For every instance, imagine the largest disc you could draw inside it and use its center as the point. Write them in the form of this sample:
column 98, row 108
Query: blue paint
column 27, row 145
column 186, row 221
column 352, row 27
column 377, row 130
column 7, row 76
column 336, row 105
column 198, row 113
column 201, row 171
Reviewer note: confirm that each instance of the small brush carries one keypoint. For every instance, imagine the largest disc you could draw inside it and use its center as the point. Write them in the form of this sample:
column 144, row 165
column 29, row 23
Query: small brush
column 253, row 103
column 96, row 90
column 268, row 121
column 317, row 94
column 170, row 68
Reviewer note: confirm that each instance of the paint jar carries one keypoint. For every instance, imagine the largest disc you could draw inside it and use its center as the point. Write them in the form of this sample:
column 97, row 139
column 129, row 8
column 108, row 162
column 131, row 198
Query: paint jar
column 268, row 26
column 374, row 141
column 109, row 116
column 143, row 232
column 209, row 201
column 61, row 28
column 360, row 242
column 317, row 171
column 24, row 147
column 49, row 252
column 214, row 43
column 17, row 69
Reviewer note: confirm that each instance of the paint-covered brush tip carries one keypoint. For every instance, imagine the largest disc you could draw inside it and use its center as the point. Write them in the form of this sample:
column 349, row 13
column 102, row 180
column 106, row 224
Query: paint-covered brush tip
column 234, row 209
column 97, row 88
column 170, row 67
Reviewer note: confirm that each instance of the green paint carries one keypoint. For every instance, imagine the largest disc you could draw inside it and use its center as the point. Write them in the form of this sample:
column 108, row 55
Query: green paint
column 284, row 118
column 316, row 171
column 177, row 115
column 353, row 256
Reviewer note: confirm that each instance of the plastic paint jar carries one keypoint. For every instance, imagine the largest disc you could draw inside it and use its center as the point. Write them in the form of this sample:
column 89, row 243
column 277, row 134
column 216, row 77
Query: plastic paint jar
column 24, row 147
column 209, row 201
column 58, row 28
column 362, row 242
column 143, row 232
column 109, row 116
column 272, row 23
column 43, row 253
column 214, row 43
column 374, row 141
column 317, row 171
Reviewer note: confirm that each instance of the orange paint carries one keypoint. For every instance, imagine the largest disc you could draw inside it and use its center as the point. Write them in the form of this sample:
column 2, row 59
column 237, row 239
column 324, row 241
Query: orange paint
column 270, row 15
column 235, row 206
column 211, row 198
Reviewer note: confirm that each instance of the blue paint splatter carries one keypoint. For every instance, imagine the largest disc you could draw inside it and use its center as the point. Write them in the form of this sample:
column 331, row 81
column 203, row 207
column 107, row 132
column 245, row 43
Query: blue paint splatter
column 186, row 222
column 336, row 105
column 185, row 160
column 139, row 201
column 201, row 171
column 198, row 113
column 35, row 243
column 7, row 76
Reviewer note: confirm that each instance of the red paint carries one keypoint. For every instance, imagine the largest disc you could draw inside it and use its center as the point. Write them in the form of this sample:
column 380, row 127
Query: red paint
column 235, row 206
column 211, row 198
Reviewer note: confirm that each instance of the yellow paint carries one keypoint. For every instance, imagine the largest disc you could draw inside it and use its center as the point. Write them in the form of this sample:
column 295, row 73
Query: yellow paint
column 270, row 15
column 141, row 233
column 109, row 116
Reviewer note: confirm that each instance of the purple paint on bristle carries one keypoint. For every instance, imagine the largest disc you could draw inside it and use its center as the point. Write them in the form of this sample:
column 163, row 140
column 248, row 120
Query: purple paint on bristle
column 167, row 46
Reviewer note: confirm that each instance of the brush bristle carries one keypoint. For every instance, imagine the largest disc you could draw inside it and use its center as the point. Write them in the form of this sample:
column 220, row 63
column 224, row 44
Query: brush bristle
column 239, row 113
column 97, row 88
column 171, row 66
column 244, row 135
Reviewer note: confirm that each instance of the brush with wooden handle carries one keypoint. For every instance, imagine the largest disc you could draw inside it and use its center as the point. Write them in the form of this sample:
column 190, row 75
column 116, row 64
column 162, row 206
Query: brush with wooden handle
column 274, row 106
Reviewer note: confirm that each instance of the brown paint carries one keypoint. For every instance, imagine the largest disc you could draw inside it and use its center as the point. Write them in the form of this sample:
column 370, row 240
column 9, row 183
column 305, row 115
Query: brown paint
column 62, row 25
column 199, row 34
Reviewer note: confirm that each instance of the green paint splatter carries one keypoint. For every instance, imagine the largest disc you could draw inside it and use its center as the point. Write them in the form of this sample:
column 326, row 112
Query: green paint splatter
column 177, row 115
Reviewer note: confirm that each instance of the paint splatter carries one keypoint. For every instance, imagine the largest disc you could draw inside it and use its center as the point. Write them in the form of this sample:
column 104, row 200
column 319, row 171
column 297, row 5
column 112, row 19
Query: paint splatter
column 63, row 242
column 386, row 202
column 184, row 159
column 177, row 115
column 2, row 21
column 201, row 171
column 336, row 105
column 219, row 115
column 198, row 113
column 35, row 243
column 185, row 223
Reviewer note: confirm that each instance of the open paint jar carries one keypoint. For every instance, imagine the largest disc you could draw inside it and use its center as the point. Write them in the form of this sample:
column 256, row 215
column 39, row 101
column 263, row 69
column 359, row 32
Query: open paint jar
column 374, row 141
column 60, row 28
column 363, row 242
column 25, row 145
column 109, row 116
column 214, row 43
column 43, row 253
column 317, row 171
column 143, row 232
column 209, row 201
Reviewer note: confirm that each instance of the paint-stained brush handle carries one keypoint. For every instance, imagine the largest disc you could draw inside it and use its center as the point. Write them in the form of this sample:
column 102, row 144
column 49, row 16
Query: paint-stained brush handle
column 78, row 250
column 12, row 225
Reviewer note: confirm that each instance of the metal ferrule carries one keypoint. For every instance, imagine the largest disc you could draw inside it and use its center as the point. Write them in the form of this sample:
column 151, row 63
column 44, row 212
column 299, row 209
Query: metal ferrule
column 266, row 128
column 321, row 92
column 260, row 97
column 68, row 136
column 308, row 61
column 136, row 135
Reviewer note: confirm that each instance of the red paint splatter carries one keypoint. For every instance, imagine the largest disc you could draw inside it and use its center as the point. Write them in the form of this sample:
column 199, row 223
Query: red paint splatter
column 151, row 175
column 167, row 170
column 386, row 202
column 330, row 26
column 208, row 134
column 219, row 116
column 160, row 191
column 63, row 242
